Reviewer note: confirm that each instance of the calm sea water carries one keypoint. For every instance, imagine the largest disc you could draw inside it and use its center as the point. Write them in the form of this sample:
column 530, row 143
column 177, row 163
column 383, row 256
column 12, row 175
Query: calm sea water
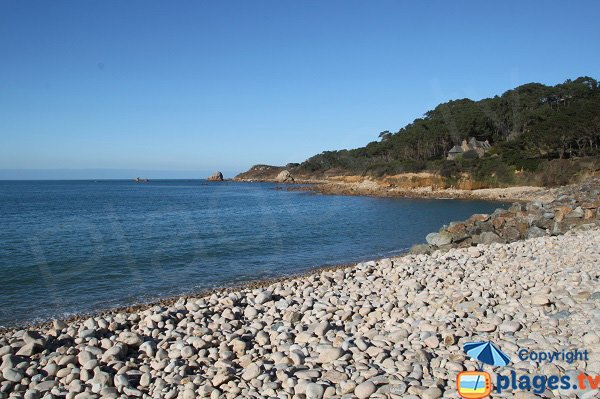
column 78, row 246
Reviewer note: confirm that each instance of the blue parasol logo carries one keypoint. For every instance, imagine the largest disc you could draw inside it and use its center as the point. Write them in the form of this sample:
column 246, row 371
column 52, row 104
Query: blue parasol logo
column 486, row 352
column 470, row 384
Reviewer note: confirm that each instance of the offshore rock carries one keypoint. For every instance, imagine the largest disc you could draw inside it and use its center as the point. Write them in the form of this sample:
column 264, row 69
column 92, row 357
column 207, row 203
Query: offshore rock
column 217, row 176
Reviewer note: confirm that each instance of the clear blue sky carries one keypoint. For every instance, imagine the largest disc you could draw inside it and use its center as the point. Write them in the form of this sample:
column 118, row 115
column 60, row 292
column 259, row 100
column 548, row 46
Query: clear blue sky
column 187, row 87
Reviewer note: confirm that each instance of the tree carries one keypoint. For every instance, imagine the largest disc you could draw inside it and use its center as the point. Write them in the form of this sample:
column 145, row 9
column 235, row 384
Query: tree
column 530, row 122
column 386, row 134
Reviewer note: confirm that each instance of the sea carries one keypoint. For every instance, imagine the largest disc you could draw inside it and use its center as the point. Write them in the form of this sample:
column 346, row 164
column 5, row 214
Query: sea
column 74, row 247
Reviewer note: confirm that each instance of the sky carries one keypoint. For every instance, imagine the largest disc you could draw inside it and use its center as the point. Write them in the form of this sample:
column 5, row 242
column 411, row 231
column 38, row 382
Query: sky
column 107, row 89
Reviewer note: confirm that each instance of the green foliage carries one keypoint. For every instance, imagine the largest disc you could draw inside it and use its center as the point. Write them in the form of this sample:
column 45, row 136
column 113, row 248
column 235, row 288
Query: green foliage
column 527, row 126
column 469, row 155
column 449, row 169
column 494, row 172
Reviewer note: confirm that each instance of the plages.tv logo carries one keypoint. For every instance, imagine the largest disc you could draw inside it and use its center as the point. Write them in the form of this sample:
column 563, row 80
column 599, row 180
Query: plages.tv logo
column 478, row 384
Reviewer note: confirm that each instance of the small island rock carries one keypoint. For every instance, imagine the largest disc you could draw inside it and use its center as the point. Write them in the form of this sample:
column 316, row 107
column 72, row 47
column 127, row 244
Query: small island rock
column 217, row 176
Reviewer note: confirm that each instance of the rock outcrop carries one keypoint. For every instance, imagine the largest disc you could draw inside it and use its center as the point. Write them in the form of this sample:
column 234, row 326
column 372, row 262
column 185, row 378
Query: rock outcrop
column 217, row 176
column 260, row 173
column 265, row 172
column 284, row 177
column 573, row 205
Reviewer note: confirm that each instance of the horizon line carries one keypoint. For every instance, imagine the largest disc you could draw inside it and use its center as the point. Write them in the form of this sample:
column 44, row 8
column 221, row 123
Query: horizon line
column 108, row 174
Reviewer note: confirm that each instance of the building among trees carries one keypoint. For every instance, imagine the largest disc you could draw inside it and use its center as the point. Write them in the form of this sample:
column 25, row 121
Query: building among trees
column 479, row 147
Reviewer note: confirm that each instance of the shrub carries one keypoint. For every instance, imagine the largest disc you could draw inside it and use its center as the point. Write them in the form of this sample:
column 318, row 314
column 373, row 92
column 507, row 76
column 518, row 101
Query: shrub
column 559, row 172
column 556, row 173
column 493, row 171
column 448, row 169
column 470, row 155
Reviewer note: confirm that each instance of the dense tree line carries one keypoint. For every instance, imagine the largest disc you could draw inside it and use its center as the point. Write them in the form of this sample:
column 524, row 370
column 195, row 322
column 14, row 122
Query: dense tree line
column 526, row 125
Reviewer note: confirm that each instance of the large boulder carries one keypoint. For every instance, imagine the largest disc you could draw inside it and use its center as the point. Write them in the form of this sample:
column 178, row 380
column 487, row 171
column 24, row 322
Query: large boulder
column 284, row 177
column 217, row 176
column 535, row 232
column 458, row 231
column 487, row 238
column 438, row 239
column 419, row 249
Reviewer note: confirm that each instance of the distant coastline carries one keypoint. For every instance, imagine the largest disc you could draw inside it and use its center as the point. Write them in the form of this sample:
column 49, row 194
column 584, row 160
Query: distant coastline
column 408, row 185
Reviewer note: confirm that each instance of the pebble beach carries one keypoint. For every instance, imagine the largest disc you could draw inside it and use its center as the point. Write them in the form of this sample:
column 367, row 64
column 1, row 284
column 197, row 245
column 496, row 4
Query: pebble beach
column 391, row 328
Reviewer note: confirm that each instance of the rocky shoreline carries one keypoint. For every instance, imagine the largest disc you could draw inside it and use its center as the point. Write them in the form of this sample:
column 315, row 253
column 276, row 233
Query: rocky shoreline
column 571, row 207
column 391, row 328
column 376, row 189
column 406, row 185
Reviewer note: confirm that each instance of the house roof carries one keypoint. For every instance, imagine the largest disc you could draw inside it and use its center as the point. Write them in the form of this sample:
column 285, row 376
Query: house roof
column 473, row 142
column 456, row 149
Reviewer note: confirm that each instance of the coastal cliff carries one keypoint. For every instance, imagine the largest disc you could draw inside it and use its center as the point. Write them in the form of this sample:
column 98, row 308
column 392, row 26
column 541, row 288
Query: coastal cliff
column 412, row 185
